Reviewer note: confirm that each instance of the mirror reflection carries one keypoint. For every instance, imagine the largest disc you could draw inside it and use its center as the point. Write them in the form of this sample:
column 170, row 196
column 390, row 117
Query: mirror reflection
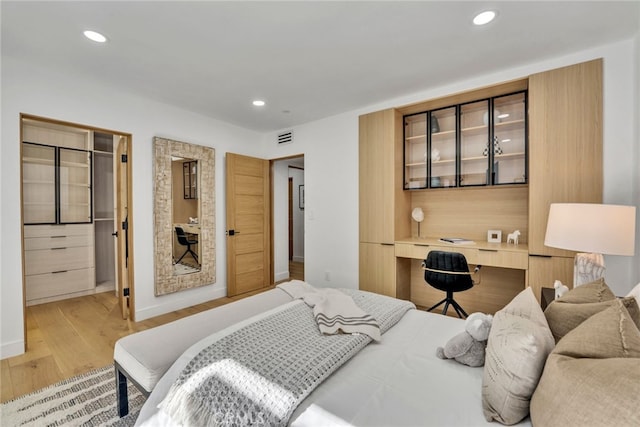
column 185, row 216
column 186, row 199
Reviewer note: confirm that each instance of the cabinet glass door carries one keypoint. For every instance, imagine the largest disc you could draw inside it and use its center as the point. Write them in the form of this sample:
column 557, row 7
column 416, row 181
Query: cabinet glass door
column 474, row 138
column 74, row 171
column 442, row 156
column 39, row 183
column 510, row 139
column 190, row 179
column 415, row 151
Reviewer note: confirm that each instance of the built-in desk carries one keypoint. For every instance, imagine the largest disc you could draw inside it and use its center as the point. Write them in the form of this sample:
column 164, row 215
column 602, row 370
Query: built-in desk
column 483, row 253
column 498, row 286
column 189, row 228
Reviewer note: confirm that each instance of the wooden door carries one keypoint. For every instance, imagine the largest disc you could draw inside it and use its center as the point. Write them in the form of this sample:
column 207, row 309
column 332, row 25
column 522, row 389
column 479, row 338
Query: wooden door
column 123, row 230
column 565, row 144
column 248, row 224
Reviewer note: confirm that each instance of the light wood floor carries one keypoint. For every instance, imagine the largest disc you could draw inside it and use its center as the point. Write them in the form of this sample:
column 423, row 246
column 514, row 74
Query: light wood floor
column 71, row 337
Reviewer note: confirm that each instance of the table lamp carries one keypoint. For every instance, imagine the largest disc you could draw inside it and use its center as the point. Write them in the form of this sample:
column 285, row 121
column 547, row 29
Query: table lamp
column 593, row 229
column 418, row 216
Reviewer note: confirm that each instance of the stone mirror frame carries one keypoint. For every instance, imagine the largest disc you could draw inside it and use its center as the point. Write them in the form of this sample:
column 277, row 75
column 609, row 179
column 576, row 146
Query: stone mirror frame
column 165, row 280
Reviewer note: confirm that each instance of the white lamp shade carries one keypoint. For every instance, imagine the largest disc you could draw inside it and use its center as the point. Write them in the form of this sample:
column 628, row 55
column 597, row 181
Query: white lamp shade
column 591, row 227
column 418, row 214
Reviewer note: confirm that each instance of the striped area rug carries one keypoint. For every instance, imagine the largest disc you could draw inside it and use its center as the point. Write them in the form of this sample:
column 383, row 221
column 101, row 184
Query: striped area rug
column 85, row 400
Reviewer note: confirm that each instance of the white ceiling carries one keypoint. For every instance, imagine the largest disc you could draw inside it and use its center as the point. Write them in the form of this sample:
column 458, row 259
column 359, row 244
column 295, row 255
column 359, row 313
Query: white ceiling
column 307, row 60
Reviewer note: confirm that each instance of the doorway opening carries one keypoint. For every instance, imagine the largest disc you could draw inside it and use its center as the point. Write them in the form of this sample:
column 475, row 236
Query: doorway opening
column 288, row 218
column 76, row 199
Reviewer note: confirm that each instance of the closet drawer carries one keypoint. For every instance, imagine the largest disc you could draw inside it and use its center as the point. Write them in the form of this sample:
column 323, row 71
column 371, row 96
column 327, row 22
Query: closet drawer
column 54, row 284
column 52, row 260
column 57, row 230
column 51, row 242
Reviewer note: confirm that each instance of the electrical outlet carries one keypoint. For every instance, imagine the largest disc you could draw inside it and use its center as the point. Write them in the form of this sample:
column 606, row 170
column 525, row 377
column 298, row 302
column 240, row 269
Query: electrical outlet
column 327, row 276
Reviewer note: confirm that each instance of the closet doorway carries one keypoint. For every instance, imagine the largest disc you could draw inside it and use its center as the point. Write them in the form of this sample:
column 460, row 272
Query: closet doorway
column 76, row 212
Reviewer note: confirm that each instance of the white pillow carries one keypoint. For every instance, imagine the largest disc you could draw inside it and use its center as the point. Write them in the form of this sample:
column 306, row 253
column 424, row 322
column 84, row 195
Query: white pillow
column 518, row 346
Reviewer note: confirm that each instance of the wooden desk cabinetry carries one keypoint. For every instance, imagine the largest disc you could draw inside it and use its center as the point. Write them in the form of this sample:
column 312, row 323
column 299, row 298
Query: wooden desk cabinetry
column 499, row 255
column 504, row 272
column 384, row 207
column 564, row 164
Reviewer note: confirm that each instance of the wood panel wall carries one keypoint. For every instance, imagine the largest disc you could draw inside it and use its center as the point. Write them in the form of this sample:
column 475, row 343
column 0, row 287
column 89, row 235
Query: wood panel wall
column 470, row 212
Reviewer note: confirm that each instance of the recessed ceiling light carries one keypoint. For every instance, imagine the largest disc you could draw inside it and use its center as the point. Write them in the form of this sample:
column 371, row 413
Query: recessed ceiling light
column 95, row 36
column 484, row 17
column 258, row 103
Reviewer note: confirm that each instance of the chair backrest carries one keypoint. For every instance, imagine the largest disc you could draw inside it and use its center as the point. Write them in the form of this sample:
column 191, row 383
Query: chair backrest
column 182, row 236
column 447, row 261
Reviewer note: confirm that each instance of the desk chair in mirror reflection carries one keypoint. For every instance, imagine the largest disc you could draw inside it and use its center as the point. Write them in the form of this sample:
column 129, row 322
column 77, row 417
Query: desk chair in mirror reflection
column 186, row 240
column 449, row 272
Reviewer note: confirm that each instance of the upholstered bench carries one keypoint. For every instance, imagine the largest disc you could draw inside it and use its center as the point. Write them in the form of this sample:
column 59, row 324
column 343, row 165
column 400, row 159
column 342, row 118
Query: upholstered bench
column 144, row 357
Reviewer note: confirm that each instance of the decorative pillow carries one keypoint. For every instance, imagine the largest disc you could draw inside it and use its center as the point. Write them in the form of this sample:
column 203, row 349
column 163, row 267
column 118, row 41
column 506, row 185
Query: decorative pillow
column 592, row 377
column 596, row 291
column 576, row 306
column 519, row 343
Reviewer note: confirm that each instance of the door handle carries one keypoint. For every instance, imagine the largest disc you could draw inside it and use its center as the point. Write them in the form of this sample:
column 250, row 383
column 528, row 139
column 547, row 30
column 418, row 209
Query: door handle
column 115, row 233
column 232, row 232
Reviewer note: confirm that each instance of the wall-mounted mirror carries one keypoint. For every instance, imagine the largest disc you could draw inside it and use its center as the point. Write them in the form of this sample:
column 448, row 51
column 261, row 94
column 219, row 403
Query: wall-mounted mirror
column 184, row 199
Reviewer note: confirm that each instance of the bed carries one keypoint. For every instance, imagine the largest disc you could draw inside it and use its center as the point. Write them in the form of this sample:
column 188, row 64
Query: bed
column 399, row 381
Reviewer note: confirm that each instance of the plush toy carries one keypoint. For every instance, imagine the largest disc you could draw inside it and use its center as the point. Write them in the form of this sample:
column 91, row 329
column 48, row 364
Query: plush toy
column 468, row 347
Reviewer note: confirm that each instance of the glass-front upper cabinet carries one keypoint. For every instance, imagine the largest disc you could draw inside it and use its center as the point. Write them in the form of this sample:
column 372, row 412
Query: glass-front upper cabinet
column 39, row 183
column 442, row 153
column 510, row 139
column 56, row 185
column 190, row 179
column 474, row 134
column 415, row 151
column 74, row 182
column 473, row 144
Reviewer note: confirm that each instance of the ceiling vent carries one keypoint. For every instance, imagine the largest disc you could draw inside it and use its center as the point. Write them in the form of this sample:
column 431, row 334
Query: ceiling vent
column 285, row 137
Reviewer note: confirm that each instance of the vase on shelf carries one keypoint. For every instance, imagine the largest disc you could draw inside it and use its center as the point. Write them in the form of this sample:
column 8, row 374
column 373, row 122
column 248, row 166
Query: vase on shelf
column 497, row 149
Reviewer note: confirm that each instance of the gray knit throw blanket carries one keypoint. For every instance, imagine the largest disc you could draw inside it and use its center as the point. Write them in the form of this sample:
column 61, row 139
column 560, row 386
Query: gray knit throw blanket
column 260, row 373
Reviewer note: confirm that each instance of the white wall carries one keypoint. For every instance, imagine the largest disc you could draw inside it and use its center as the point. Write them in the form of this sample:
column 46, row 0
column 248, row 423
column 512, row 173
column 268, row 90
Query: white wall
column 330, row 147
column 33, row 90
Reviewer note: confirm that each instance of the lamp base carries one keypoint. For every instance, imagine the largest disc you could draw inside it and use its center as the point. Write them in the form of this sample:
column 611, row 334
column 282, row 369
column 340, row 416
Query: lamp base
column 587, row 267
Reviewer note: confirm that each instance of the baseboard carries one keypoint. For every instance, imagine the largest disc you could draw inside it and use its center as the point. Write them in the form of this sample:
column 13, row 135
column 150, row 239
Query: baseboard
column 284, row 275
column 11, row 349
column 157, row 310
column 298, row 259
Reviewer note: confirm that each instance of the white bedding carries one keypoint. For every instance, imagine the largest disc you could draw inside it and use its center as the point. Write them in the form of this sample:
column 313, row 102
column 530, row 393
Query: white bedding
column 396, row 382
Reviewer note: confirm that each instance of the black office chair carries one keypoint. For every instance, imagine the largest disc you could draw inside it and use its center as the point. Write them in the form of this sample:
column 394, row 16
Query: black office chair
column 186, row 241
column 449, row 272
